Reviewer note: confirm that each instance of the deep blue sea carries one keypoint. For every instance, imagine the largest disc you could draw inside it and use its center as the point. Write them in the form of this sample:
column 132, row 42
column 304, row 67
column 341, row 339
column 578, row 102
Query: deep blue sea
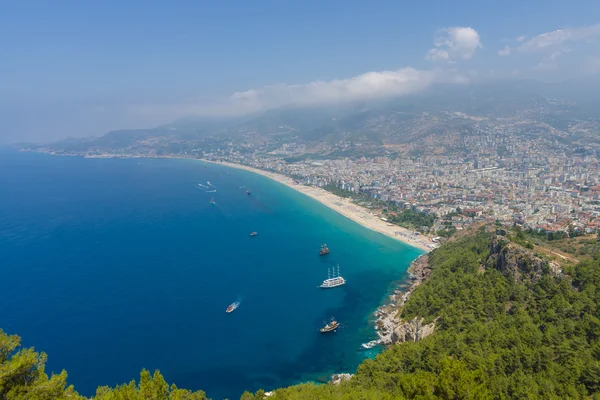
column 114, row 265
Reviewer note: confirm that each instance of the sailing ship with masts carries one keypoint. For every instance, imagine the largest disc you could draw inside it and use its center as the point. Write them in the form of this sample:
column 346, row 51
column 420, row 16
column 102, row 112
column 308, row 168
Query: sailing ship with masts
column 324, row 250
column 334, row 279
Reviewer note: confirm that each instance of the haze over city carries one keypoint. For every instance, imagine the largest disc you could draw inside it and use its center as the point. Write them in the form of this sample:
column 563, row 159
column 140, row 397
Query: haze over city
column 79, row 69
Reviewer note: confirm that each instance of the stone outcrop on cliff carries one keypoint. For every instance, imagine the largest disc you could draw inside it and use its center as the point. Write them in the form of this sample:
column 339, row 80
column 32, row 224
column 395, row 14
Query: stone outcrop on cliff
column 517, row 263
column 511, row 259
column 390, row 328
column 412, row 331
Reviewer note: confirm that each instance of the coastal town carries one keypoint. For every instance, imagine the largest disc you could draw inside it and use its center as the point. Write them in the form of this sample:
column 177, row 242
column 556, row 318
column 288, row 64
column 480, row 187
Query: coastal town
column 545, row 191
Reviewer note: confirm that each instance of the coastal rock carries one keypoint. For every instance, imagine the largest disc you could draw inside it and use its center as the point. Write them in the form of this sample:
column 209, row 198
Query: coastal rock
column 419, row 270
column 412, row 331
column 339, row 378
column 390, row 328
column 385, row 326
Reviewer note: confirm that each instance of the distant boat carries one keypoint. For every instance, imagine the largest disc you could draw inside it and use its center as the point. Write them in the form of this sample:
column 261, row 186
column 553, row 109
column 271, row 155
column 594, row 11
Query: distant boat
column 332, row 326
column 248, row 192
column 232, row 307
column 254, row 234
column 333, row 281
column 324, row 250
column 212, row 201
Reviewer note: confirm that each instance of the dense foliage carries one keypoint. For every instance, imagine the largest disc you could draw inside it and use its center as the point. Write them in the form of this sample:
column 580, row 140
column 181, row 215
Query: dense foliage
column 22, row 377
column 496, row 337
column 411, row 219
column 150, row 387
column 22, row 374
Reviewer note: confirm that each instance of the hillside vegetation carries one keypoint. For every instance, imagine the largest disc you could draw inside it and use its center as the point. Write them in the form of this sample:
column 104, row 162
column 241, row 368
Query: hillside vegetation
column 509, row 325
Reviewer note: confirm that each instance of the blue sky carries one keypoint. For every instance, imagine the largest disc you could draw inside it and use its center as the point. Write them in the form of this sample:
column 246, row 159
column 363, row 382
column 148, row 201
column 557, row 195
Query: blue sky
column 77, row 68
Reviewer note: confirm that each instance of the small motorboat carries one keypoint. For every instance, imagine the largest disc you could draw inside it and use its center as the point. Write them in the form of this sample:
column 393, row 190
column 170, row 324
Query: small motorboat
column 232, row 307
column 254, row 234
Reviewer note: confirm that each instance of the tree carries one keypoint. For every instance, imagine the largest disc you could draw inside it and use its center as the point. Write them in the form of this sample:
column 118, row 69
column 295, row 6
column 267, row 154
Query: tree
column 151, row 387
column 22, row 374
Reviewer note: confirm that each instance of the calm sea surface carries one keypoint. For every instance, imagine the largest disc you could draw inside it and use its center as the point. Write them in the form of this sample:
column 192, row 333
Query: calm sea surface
column 114, row 265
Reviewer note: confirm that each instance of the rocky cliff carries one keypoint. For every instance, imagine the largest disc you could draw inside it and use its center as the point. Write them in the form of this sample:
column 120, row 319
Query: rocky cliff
column 516, row 262
column 390, row 327
column 412, row 331
column 511, row 259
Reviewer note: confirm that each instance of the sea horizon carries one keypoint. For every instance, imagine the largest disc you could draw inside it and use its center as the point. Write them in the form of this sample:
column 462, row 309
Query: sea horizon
column 150, row 266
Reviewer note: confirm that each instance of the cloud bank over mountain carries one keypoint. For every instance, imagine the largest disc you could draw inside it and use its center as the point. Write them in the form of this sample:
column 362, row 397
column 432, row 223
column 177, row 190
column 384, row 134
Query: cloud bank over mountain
column 454, row 50
column 368, row 86
column 371, row 85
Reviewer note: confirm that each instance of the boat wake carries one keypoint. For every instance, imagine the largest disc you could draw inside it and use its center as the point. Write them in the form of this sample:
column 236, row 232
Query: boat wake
column 371, row 344
column 210, row 184
column 210, row 191
column 203, row 186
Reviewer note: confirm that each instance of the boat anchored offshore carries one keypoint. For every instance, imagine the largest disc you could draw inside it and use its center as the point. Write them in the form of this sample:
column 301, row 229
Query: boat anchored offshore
column 212, row 201
column 332, row 326
column 248, row 192
column 254, row 234
column 333, row 281
column 324, row 250
column 232, row 307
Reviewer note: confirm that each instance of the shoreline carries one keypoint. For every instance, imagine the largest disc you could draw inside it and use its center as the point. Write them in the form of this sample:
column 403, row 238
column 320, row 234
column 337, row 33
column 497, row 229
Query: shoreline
column 389, row 326
column 342, row 206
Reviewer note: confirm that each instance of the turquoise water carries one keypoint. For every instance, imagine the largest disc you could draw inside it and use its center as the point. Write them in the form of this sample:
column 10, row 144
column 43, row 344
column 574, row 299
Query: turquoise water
column 114, row 265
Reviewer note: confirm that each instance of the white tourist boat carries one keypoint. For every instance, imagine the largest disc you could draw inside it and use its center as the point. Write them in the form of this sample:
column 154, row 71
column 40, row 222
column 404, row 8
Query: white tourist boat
column 333, row 281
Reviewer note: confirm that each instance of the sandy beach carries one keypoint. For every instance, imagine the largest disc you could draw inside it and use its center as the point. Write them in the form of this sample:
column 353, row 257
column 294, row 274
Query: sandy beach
column 345, row 207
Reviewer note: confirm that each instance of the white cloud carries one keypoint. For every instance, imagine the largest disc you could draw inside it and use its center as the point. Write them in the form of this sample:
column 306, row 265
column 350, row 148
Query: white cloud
column 454, row 42
column 504, row 52
column 371, row 85
column 552, row 40
column 438, row 55
column 521, row 38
